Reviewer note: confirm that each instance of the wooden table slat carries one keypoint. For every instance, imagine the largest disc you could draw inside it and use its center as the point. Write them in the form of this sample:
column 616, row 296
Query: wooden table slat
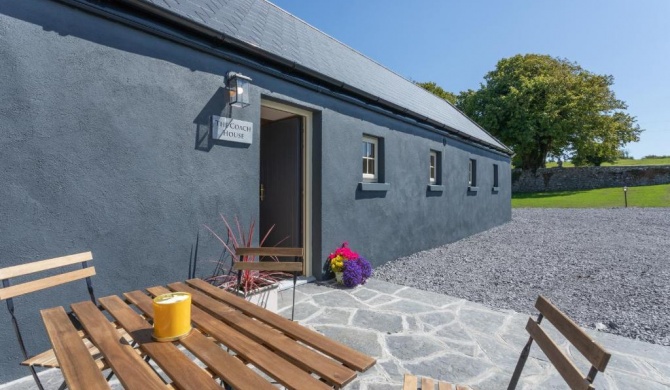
column 270, row 363
column 226, row 366
column 182, row 370
column 79, row 368
column 128, row 366
column 409, row 382
column 300, row 355
column 444, row 386
column 427, row 383
column 348, row 356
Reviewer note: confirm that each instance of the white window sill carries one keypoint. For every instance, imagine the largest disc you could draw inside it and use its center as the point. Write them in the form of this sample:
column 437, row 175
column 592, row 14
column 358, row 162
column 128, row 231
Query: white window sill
column 495, row 190
column 435, row 188
column 473, row 189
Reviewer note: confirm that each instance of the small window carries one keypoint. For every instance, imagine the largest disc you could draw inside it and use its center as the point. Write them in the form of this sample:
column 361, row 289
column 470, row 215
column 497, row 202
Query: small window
column 433, row 167
column 370, row 159
column 472, row 173
column 495, row 175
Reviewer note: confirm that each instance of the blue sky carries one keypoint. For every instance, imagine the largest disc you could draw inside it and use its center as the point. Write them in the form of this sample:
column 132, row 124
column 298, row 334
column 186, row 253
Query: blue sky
column 455, row 43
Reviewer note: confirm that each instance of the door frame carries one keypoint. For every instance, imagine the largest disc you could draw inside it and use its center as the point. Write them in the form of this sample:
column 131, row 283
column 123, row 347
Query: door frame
column 306, row 142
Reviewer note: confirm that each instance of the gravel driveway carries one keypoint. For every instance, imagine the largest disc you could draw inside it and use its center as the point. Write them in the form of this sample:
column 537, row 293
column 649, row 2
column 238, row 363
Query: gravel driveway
column 606, row 268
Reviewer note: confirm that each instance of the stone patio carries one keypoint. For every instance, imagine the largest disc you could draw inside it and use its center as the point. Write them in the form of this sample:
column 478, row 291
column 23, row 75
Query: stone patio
column 414, row 331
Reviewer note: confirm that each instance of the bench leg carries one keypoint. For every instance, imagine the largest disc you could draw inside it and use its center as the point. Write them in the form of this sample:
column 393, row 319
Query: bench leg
column 522, row 360
column 295, row 280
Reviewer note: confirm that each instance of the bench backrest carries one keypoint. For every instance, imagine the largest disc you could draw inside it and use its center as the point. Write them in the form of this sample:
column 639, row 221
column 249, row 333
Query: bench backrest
column 274, row 252
column 10, row 291
column 592, row 351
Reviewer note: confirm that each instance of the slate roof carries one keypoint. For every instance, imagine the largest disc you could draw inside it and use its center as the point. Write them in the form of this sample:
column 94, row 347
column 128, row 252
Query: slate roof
column 265, row 26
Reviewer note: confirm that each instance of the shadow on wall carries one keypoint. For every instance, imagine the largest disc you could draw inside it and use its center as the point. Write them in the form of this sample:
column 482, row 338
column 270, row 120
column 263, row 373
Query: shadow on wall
column 217, row 105
column 69, row 21
column 360, row 194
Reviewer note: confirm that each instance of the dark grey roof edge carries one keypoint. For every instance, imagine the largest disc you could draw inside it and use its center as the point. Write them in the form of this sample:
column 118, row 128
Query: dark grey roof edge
column 174, row 17
column 335, row 39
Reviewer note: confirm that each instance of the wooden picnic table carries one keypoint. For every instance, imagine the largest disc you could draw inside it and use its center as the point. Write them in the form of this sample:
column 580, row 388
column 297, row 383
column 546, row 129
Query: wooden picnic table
column 230, row 337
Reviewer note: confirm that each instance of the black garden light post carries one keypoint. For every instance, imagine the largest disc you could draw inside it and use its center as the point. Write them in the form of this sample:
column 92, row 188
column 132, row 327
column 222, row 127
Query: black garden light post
column 625, row 196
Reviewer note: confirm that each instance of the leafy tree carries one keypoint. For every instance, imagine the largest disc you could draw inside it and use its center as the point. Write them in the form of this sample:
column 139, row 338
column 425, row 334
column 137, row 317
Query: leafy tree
column 436, row 90
column 540, row 105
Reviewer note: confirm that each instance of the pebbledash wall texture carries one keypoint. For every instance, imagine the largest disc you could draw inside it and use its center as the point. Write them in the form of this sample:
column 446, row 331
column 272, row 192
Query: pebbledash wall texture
column 588, row 178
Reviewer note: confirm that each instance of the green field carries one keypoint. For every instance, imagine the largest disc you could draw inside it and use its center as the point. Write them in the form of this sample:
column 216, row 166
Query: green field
column 648, row 196
column 622, row 162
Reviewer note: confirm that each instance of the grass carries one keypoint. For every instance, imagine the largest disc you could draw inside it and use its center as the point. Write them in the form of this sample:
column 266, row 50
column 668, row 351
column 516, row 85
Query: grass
column 647, row 196
column 622, row 162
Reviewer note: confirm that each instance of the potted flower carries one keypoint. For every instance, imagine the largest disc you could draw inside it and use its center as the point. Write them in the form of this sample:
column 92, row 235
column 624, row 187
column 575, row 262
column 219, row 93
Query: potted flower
column 259, row 287
column 349, row 267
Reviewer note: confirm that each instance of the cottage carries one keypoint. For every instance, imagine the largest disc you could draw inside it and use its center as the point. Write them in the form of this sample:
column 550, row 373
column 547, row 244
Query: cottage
column 127, row 125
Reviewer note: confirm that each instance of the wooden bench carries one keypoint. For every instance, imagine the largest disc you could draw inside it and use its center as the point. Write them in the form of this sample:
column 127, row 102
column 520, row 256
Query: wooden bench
column 575, row 379
column 294, row 267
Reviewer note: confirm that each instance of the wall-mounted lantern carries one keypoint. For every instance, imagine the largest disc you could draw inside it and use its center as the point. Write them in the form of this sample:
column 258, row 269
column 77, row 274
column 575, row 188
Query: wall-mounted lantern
column 238, row 88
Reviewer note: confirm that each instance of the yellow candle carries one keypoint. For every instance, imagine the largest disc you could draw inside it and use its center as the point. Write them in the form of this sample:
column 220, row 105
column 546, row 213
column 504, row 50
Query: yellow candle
column 172, row 316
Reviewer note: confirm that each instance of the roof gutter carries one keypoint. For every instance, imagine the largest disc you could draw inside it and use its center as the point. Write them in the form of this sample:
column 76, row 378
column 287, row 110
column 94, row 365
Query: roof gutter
column 361, row 97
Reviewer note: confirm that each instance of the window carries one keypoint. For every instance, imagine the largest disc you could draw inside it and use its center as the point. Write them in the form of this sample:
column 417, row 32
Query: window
column 495, row 175
column 370, row 159
column 472, row 173
column 434, row 173
column 433, row 167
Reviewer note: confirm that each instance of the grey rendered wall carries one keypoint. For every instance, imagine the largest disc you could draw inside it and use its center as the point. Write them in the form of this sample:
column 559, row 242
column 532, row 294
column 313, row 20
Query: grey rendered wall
column 406, row 218
column 103, row 148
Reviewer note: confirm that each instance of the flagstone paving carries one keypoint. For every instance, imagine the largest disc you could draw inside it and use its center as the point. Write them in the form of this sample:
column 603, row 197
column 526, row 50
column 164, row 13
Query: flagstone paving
column 435, row 335
column 414, row 331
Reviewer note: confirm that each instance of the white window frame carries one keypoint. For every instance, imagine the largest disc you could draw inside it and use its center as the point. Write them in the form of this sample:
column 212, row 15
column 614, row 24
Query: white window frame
column 432, row 173
column 372, row 177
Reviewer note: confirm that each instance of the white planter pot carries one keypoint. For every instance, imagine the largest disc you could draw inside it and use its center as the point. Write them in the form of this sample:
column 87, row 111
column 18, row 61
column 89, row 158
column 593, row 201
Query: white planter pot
column 265, row 297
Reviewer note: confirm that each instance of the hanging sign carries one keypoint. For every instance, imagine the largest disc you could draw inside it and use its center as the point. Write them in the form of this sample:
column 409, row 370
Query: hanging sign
column 232, row 130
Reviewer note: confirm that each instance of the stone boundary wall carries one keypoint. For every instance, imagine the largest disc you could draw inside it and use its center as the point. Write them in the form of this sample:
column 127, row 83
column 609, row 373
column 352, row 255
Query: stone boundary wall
column 587, row 178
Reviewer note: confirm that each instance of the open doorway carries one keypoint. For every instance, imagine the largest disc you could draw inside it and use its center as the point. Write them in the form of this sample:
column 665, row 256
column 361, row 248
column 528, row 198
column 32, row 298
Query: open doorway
column 284, row 177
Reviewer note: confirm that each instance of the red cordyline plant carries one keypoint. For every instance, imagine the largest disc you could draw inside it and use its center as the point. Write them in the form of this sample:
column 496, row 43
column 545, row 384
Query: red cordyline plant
column 251, row 280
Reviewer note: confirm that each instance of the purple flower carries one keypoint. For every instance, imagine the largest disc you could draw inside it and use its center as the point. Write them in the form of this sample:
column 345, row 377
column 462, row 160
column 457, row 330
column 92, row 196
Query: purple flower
column 352, row 274
column 366, row 268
